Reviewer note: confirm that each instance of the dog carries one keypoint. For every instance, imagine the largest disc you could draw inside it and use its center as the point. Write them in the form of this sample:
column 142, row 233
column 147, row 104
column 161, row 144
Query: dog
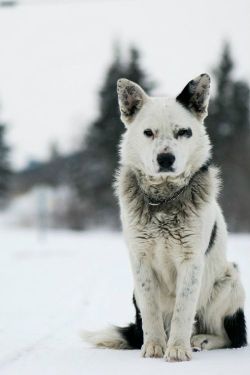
column 187, row 296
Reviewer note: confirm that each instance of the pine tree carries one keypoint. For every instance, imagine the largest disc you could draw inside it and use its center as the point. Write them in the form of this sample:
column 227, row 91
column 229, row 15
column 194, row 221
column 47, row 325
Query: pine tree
column 219, row 120
column 4, row 167
column 105, row 132
column 54, row 151
column 94, row 180
column 229, row 109
column 228, row 125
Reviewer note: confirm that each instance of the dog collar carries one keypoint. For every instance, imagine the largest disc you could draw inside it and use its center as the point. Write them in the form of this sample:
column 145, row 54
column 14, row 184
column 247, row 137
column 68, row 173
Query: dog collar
column 156, row 202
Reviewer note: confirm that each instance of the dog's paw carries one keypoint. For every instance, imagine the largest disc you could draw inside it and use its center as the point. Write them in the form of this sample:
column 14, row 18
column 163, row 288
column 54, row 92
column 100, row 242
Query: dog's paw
column 152, row 349
column 175, row 353
column 199, row 342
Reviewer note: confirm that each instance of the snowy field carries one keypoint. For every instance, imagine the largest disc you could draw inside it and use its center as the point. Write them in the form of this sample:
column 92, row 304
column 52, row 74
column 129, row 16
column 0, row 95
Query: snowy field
column 53, row 285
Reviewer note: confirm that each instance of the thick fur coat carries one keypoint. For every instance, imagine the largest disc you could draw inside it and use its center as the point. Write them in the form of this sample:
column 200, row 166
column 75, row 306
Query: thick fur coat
column 186, row 294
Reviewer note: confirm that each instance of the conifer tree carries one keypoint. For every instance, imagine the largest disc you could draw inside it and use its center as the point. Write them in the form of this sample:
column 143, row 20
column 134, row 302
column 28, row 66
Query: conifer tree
column 228, row 125
column 229, row 108
column 4, row 167
column 94, row 181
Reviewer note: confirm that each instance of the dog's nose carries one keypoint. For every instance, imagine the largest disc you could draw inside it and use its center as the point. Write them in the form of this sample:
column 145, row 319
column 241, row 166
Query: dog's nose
column 165, row 161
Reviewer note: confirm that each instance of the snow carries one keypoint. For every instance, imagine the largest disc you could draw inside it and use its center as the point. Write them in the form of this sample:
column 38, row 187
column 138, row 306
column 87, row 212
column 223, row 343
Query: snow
column 41, row 206
column 54, row 284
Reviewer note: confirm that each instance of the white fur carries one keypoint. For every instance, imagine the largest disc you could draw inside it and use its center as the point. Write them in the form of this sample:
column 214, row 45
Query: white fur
column 106, row 338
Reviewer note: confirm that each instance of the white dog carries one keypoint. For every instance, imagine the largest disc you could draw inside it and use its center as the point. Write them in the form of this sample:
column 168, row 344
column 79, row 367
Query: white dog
column 187, row 295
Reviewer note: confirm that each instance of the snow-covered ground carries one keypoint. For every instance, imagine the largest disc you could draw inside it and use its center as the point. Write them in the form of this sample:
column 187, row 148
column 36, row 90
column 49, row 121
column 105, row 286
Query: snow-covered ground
column 54, row 284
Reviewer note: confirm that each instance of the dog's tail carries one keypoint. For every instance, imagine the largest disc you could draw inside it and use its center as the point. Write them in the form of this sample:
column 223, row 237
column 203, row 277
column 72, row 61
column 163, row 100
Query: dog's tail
column 130, row 337
column 115, row 337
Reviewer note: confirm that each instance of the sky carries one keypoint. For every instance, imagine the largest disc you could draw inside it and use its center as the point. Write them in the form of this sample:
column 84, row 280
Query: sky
column 54, row 54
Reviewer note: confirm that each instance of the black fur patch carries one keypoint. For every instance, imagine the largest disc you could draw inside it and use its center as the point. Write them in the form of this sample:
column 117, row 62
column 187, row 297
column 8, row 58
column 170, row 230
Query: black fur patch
column 206, row 165
column 199, row 325
column 212, row 238
column 187, row 133
column 193, row 96
column 133, row 333
column 235, row 326
column 185, row 96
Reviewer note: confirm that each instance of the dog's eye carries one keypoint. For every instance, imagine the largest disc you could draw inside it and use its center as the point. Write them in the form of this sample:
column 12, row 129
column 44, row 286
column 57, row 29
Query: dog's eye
column 184, row 132
column 148, row 133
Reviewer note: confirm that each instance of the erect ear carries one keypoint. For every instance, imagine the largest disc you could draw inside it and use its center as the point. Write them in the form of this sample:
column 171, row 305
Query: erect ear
column 131, row 98
column 195, row 96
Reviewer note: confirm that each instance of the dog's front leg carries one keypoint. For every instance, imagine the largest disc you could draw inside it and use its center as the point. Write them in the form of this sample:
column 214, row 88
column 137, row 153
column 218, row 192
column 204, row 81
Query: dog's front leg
column 189, row 274
column 147, row 296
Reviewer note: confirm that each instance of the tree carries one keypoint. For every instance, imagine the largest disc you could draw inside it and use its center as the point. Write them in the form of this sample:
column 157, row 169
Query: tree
column 229, row 109
column 95, row 178
column 54, row 151
column 229, row 129
column 5, row 171
column 105, row 132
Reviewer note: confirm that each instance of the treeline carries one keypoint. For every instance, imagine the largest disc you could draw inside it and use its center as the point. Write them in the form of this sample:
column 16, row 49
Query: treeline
column 5, row 168
column 228, row 125
column 89, row 171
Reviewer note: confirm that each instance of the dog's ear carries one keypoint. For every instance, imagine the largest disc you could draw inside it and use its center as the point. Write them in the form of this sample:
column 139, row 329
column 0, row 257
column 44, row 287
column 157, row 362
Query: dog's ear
column 131, row 98
column 195, row 96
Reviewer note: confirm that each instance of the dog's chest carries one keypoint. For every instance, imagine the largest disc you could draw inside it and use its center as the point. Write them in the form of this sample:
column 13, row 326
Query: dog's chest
column 163, row 264
column 170, row 227
column 172, row 242
column 167, row 224
column 171, row 234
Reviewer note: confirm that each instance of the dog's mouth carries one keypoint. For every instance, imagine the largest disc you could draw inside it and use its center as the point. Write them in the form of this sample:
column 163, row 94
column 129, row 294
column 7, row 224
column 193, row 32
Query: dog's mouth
column 166, row 170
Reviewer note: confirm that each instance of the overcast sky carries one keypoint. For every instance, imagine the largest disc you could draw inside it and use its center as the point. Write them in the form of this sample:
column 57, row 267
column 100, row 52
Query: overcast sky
column 53, row 56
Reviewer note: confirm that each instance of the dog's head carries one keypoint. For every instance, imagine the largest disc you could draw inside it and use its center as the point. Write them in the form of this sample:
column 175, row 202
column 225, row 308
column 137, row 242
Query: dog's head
column 165, row 136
